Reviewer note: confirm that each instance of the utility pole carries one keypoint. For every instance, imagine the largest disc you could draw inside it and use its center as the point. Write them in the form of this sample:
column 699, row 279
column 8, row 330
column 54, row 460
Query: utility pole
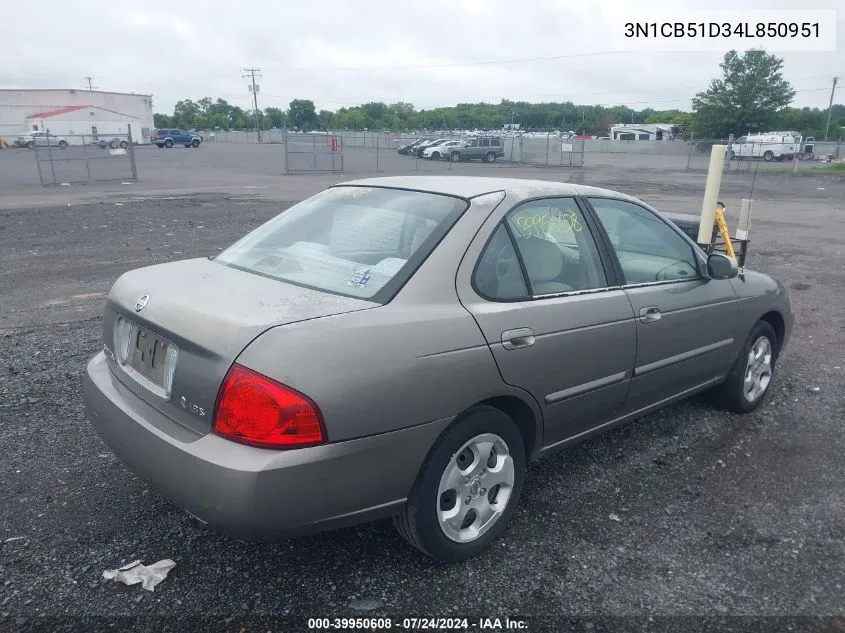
column 830, row 107
column 251, row 73
column 89, row 80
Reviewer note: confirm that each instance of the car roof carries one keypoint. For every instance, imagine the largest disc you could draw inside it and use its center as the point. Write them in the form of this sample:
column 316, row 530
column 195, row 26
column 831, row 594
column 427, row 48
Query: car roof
column 472, row 186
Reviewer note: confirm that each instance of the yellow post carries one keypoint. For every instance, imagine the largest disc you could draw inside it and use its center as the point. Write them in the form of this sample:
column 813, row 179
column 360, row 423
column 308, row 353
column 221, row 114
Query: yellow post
column 723, row 231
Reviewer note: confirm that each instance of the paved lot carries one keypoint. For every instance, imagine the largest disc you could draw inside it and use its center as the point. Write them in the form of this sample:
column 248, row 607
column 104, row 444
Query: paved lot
column 717, row 514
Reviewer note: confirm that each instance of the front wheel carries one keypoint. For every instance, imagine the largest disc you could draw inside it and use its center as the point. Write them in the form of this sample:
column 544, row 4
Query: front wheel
column 195, row 143
column 490, row 157
column 751, row 376
column 468, row 488
column 62, row 144
column 124, row 144
column 435, row 155
column 456, row 157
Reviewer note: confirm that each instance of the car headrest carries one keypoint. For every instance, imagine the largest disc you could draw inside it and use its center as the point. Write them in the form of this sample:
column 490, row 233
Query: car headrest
column 543, row 260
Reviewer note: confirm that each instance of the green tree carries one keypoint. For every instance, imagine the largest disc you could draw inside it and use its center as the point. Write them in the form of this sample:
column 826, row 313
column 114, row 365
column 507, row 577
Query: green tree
column 185, row 112
column 750, row 96
column 301, row 114
column 162, row 121
column 326, row 119
column 274, row 117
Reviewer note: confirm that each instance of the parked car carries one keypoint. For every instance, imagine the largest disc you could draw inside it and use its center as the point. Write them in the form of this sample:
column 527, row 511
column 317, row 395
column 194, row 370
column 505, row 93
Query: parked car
column 41, row 139
column 169, row 138
column 436, row 152
column 404, row 346
column 406, row 148
column 113, row 143
column 419, row 149
column 486, row 148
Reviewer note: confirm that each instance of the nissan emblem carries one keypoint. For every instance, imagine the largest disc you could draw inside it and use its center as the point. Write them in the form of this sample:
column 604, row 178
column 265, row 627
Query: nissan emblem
column 142, row 302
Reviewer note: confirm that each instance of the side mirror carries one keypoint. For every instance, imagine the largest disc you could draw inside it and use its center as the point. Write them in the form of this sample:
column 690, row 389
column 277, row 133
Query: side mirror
column 720, row 266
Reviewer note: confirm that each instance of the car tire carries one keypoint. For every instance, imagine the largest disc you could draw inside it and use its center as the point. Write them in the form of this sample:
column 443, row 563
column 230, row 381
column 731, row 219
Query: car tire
column 168, row 143
column 747, row 385
column 62, row 144
column 195, row 143
column 124, row 144
column 435, row 156
column 490, row 157
column 456, row 157
column 768, row 156
column 421, row 522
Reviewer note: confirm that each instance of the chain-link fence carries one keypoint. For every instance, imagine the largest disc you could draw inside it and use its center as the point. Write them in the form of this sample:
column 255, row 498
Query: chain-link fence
column 744, row 156
column 76, row 159
column 366, row 151
column 312, row 153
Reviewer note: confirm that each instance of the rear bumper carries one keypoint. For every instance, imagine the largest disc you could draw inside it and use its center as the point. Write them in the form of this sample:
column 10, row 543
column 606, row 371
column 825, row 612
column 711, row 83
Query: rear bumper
column 254, row 493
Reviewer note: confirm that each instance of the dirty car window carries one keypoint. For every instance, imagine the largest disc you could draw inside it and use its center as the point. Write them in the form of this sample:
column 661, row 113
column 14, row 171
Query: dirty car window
column 354, row 241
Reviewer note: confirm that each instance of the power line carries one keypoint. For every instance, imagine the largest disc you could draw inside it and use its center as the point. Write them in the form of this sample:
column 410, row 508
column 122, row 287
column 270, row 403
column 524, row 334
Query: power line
column 251, row 73
column 470, row 64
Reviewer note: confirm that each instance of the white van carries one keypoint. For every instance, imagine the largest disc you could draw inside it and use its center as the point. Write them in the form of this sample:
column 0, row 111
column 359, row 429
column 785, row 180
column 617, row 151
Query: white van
column 769, row 146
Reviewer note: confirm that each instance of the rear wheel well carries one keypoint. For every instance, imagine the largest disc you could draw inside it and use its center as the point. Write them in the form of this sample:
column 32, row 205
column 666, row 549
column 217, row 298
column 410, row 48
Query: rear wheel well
column 774, row 319
column 522, row 415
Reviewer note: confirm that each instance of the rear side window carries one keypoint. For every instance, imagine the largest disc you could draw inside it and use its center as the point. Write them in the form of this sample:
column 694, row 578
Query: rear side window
column 485, row 143
column 551, row 245
column 354, row 241
column 494, row 142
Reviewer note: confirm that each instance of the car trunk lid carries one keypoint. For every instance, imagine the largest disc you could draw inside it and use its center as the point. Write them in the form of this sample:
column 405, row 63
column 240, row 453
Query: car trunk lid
column 209, row 313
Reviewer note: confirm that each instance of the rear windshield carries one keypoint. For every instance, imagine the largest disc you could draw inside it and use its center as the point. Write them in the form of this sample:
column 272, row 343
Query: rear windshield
column 353, row 241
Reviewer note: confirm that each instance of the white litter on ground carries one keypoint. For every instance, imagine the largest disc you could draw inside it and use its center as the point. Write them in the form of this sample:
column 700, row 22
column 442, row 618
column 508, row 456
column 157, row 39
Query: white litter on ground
column 135, row 572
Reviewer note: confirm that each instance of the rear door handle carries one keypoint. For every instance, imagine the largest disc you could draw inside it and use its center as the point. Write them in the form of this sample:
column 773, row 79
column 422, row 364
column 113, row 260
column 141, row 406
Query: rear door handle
column 650, row 314
column 519, row 338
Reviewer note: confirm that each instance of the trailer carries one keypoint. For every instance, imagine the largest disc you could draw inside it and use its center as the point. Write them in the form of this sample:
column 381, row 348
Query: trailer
column 87, row 125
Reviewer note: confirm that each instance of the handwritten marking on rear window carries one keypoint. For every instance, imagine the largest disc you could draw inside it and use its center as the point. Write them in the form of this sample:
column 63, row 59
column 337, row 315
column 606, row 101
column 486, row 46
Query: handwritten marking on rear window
column 548, row 224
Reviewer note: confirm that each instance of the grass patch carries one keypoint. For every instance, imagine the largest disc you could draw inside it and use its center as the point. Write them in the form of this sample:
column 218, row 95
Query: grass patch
column 833, row 168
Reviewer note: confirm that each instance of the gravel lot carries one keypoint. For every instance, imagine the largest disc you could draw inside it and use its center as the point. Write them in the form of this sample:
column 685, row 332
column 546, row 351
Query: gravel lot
column 689, row 511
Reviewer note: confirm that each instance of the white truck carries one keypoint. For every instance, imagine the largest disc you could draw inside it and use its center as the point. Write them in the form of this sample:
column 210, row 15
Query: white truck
column 769, row 146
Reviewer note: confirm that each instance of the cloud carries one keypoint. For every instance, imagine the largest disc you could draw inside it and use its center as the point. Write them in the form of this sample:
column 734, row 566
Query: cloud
column 341, row 53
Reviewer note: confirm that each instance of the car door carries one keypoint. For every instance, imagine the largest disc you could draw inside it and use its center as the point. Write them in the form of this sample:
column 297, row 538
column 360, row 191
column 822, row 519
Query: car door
column 686, row 322
column 550, row 309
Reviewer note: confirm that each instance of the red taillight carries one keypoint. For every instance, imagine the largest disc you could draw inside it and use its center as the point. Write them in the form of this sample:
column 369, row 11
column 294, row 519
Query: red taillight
column 253, row 409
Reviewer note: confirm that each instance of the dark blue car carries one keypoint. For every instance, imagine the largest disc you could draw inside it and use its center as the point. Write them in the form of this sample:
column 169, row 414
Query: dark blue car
column 169, row 138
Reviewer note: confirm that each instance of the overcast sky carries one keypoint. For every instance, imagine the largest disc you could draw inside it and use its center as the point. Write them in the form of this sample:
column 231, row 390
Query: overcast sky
column 346, row 52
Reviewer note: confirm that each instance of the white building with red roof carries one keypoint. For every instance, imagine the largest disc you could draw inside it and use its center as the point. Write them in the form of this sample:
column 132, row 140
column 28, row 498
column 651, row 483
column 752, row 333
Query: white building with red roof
column 74, row 113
